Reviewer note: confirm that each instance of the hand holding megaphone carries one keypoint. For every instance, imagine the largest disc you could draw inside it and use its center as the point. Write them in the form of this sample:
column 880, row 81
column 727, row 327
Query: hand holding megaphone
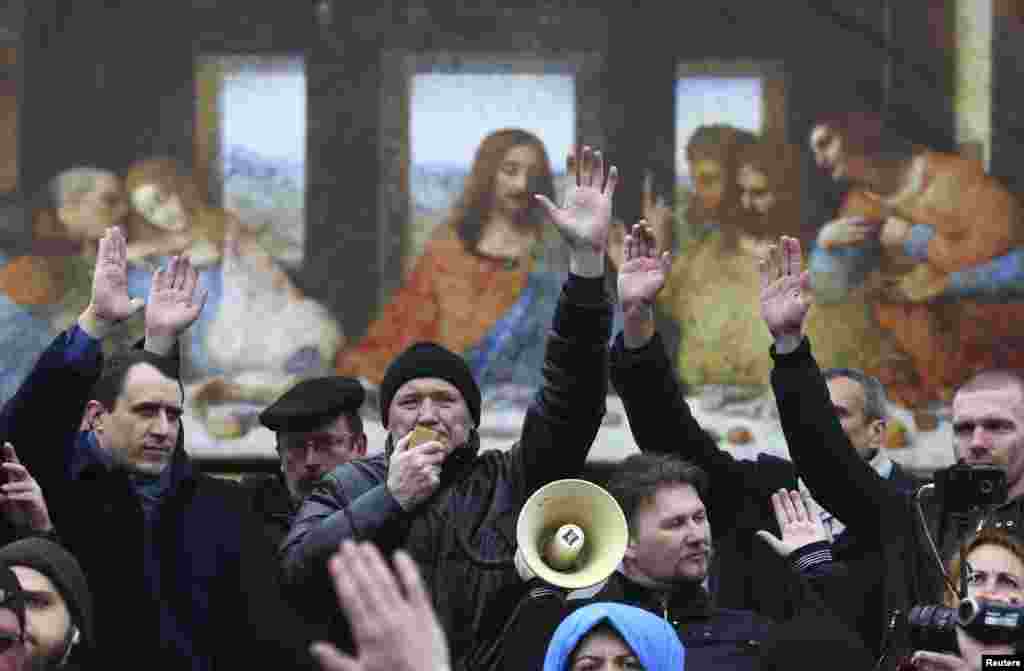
column 414, row 472
column 571, row 534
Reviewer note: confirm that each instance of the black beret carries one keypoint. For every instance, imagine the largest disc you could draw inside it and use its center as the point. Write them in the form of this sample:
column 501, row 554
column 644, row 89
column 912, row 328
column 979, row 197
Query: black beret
column 313, row 403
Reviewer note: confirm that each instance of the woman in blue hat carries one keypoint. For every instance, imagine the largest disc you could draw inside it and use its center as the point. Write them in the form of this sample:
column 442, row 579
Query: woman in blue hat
column 614, row 636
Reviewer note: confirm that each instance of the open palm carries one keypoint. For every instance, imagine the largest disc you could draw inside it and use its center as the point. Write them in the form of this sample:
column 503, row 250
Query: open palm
column 643, row 272
column 785, row 289
column 110, row 298
column 586, row 217
column 798, row 521
column 174, row 302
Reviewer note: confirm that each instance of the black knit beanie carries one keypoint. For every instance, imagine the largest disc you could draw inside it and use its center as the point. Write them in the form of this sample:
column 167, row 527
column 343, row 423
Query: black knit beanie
column 427, row 359
column 62, row 568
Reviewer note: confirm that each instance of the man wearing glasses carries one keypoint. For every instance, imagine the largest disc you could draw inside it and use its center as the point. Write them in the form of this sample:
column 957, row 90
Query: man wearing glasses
column 318, row 427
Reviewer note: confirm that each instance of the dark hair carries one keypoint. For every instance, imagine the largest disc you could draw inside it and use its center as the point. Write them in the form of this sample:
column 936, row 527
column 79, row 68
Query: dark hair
column 868, row 134
column 985, row 536
column 639, row 477
column 110, row 384
column 477, row 198
column 720, row 143
column 779, row 163
column 874, row 392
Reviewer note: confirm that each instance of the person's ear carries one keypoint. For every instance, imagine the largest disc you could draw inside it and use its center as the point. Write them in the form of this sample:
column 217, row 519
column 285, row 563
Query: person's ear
column 94, row 412
column 66, row 213
column 359, row 445
column 877, row 429
column 630, row 556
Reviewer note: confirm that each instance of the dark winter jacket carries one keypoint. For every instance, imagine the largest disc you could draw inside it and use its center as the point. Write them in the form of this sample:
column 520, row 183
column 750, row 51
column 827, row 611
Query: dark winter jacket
column 463, row 537
column 879, row 516
column 189, row 586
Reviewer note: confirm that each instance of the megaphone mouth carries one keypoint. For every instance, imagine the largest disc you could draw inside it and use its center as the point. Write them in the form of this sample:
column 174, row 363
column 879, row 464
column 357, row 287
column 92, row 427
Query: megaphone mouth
column 580, row 525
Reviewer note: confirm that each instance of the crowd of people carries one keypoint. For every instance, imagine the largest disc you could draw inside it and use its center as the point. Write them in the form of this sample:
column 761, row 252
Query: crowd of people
column 120, row 551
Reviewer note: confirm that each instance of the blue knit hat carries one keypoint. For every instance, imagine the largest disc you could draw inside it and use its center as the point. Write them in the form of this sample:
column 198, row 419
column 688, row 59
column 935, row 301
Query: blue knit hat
column 652, row 639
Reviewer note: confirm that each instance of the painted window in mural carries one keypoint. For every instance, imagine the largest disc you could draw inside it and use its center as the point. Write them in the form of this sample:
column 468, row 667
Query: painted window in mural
column 708, row 308
column 257, row 174
column 709, row 106
column 259, row 333
column 482, row 265
column 451, row 116
column 718, row 110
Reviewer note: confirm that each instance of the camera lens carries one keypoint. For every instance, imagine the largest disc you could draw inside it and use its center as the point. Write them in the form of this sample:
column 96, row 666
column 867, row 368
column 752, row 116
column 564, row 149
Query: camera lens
column 933, row 627
column 967, row 611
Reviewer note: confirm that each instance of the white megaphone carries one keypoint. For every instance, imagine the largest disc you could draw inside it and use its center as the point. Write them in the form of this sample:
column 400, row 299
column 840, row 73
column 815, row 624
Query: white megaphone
column 571, row 534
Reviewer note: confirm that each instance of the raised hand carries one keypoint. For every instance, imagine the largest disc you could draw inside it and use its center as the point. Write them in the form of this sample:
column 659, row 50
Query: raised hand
column 797, row 520
column 586, row 218
column 658, row 214
column 393, row 623
column 21, row 497
column 643, row 271
column 110, row 301
column 174, row 299
column 785, row 290
column 925, row 660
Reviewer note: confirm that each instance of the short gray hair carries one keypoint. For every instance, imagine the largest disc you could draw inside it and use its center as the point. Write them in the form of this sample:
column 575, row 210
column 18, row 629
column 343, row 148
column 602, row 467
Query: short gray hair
column 73, row 184
column 875, row 402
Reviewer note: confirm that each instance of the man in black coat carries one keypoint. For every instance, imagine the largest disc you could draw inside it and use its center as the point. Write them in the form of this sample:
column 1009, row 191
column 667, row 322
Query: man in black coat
column 747, row 574
column 452, row 509
column 181, row 574
column 892, row 566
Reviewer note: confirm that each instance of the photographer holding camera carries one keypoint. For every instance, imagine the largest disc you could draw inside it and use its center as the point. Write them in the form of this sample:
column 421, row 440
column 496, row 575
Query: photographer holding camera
column 995, row 584
column 988, row 428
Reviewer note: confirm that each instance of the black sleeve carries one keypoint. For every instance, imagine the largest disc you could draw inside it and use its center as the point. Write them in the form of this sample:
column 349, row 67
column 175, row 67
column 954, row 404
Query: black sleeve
column 535, row 622
column 562, row 421
column 842, row 482
column 661, row 421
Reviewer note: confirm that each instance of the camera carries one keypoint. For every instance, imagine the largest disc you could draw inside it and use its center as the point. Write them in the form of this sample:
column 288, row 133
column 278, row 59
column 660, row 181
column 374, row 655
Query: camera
column 933, row 627
column 965, row 488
